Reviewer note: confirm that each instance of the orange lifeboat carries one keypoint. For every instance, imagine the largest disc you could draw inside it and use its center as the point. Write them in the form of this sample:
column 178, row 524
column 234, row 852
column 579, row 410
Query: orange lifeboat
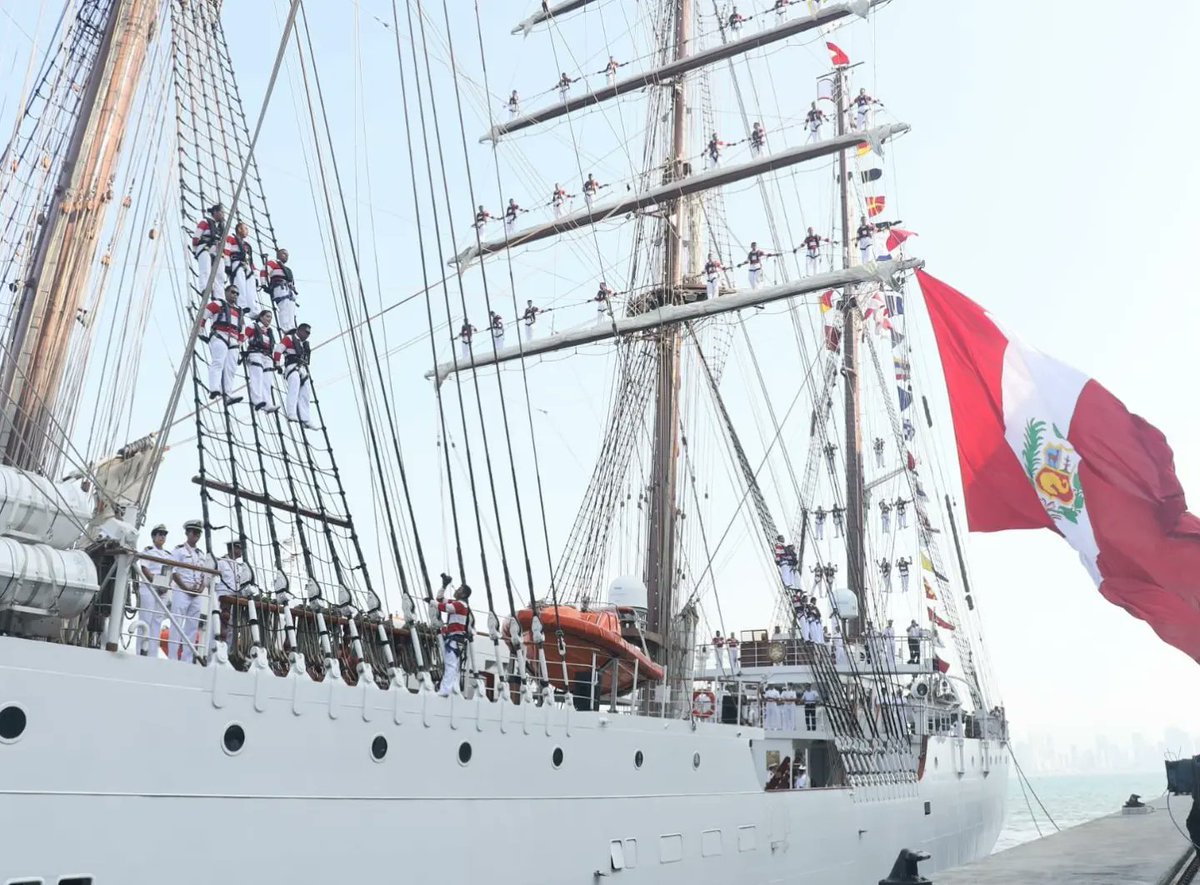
column 593, row 639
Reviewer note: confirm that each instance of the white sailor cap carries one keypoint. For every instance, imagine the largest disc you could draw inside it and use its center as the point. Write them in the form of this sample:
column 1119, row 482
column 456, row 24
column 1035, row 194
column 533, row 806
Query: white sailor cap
column 159, row 529
column 196, row 524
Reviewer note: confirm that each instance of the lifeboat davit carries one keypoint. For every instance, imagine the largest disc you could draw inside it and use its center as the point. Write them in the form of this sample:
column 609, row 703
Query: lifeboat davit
column 593, row 639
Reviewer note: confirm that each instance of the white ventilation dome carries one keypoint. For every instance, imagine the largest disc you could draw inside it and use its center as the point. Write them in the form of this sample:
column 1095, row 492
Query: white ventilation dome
column 845, row 603
column 627, row 590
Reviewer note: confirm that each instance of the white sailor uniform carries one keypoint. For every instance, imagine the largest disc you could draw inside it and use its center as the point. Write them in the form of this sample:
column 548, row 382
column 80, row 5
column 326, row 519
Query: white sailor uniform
column 240, row 269
column 296, row 356
column 278, row 279
column 206, row 248
column 454, row 641
column 224, row 340
column 152, row 599
column 787, row 709
column 771, row 719
column 262, row 355
column 187, row 601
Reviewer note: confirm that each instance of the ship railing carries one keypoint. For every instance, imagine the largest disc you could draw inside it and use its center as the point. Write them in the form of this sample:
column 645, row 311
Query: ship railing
column 785, row 649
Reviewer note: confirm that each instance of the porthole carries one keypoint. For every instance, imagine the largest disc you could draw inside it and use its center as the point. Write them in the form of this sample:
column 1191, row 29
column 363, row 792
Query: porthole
column 556, row 758
column 695, row 760
column 234, row 739
column 379, row 748
column 12, row 723
column 464, row 753
column 638, row 759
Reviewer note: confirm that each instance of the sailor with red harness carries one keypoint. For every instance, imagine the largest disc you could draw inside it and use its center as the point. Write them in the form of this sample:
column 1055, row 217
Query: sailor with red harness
column 511, row 211
column 755, row 259
column 812, row 250
column 813, row 121
column 465, row 334
column 207, row 247
column 758, row 139
column 456, row 633
column 712, row 276
column 718, row 644
column 296, row 355
column 239, row 258
column 558, row 200
column 279, row 282
column 262, row 357
column 224, row 340
column 862, row 108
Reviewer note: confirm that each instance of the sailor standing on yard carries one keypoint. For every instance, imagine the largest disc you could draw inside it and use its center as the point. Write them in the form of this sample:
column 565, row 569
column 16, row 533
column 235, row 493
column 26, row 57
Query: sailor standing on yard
column 754, row 258
column 712, row 276
column 279, row 282
column 455, row 635
column 564, row 87
column 187, row 598
column 813, row 121
column 496, row 324
column 758, row 139
column 591, row 187
column 152, row 604
column 610, row 69
column 297, row 353
column 514, row 105
column 862, row 108
column 224, row 322
column 865, row 239
column 262, row 356
column 714, row 150
column 464, row 335
column 530, row 317
column 812, row 251
column 736, row 20
column 558, row 200
column 207, row 246
column 511, row 211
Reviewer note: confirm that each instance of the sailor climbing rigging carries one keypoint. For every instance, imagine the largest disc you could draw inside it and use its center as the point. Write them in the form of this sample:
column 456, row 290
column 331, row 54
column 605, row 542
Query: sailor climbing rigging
column 902, row 513
column 262, row 355
column 754, row 258
column 456, row 633
column 902, row 566
column 819, row 522
column 297, row 353
column 239, row 257
column 207, row 248
column 885, row 572
column 839, row 521
column 885, row 516
column 279, row 282
column 225, row 335
column 878, row 447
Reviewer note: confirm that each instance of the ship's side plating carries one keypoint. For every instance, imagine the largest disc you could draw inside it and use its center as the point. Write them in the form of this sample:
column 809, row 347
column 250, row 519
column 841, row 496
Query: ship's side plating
column 122, row 773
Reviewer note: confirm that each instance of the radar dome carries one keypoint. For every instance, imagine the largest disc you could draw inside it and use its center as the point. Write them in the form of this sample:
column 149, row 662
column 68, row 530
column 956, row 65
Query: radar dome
column 627, row 590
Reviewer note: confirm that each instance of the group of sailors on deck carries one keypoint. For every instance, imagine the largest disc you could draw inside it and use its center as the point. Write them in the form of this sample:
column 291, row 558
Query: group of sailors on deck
column 239, row 330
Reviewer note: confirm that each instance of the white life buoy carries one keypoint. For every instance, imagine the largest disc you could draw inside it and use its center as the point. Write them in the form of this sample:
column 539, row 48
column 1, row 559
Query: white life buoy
column 704, row 704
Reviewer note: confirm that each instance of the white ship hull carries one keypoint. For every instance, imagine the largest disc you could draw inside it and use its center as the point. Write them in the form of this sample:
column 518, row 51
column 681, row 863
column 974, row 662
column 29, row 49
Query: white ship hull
column 121, row 775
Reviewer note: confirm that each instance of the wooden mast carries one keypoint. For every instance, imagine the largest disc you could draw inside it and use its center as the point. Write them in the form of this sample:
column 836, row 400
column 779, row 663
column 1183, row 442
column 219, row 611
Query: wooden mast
column 660, row 549
column 64, row 253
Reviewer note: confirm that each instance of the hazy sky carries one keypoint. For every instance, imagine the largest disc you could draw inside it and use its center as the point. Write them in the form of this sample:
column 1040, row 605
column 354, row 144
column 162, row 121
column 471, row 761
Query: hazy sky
column 1047, row 174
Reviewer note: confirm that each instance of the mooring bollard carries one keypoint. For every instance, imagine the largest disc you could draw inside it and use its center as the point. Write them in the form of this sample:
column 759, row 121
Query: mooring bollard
column 904, row 870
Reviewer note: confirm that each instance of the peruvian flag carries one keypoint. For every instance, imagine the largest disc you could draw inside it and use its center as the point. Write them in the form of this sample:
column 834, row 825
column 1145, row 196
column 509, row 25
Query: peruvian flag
column 1041, row 445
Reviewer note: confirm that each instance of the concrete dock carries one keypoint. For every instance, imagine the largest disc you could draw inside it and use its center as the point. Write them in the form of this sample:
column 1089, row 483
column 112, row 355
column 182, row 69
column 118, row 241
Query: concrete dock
column 1130, row 849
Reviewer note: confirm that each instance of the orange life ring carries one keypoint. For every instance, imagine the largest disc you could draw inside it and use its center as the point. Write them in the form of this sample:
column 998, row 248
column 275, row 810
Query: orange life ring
column 704, row 704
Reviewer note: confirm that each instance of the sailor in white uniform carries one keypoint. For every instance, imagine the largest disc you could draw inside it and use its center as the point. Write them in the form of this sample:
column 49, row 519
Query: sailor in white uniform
column 755, row 259
column 610, row 69
column 878, row 447
column 885, row 571
column 239, row 254
column 902, row 513
column 758, row 140
column 189, row 588
column 810, row 698
column 839, row 521
column 902, row 567
column 497, row 326
column 464, row 336
column 862, row 108
column 530, row 317
column 455, row 635
column 812, row 123
column 511, row 211
column 558, row 200
column 865, row 239
column 712, row 276
column 812, row 251
column 889, row 642
column 771, row 720
column 787, row 708
column 207, row 248
column 885, row 515
column 233, row 575
column 732, row 650
column 224, row 322
column 819, row 522
column 514, row 105
column 262, row 355
column 591, row 187
column 564, row 87
column 296, row 356
column 718, row 644
column 280, row 282
column 840, row 658
column 602, row 298
column 152, row 598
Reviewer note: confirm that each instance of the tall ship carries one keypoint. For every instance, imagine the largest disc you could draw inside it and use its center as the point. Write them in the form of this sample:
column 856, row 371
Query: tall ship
column 753, row 655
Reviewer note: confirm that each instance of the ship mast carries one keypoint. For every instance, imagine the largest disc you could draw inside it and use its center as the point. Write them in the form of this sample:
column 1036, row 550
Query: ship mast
column 851, row 329
column 64, row 253
column 660, row 549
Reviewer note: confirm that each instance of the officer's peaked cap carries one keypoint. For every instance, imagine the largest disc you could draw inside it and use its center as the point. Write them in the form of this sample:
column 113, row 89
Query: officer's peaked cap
column 159, row 529
column 193, row 524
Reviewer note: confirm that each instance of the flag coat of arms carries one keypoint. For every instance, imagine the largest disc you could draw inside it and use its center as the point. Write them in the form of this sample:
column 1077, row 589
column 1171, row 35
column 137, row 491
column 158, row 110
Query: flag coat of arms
column 1041, row 445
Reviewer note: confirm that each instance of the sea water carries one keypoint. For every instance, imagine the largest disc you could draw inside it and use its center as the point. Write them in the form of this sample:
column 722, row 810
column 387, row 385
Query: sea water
column 1072, row 799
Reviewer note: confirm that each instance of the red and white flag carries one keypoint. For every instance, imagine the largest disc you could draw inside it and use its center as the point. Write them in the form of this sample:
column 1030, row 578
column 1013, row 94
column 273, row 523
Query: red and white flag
column 1041, row 445
column 897, row 236
column 840, row 59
